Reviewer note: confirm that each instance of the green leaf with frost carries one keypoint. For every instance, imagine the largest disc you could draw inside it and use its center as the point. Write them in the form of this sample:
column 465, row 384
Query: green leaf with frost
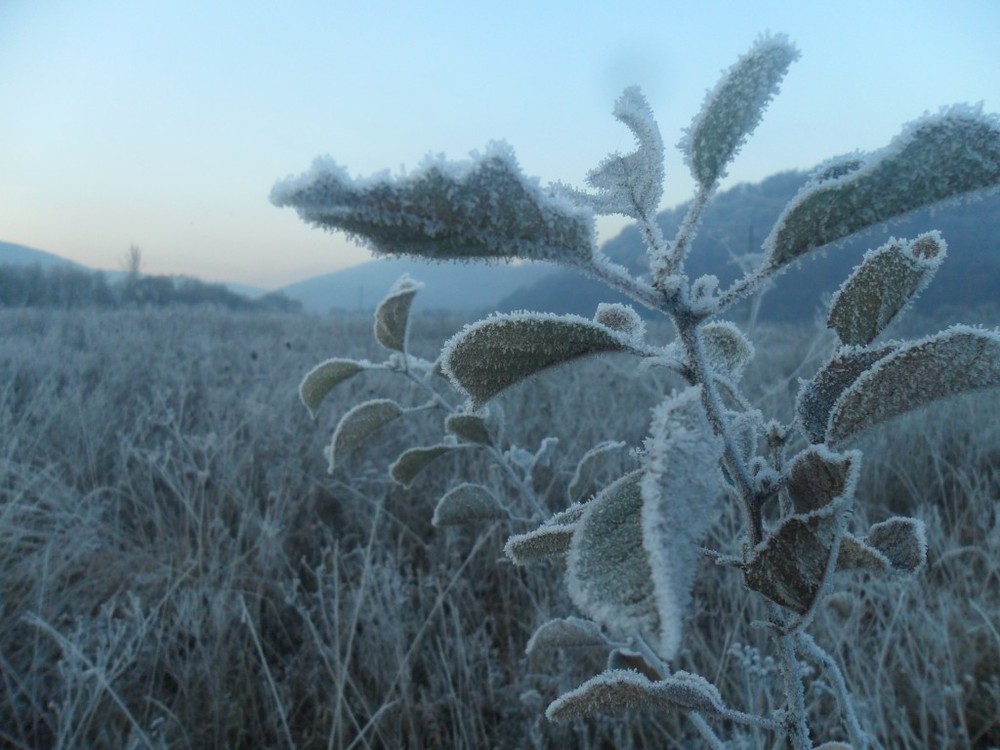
column 486, row 357
column 789, row 565
column 392, row 315
column 358, row 424
column 632, row 184
column 467, row 503
column 480, row 209
column 885, row 282
column 957, row 360
column 571, row 632
column 621, row 318
column 551, row 538
column 817, row 477
column 856, row 554
column 411, row 462
column 608, row 570
column 470, row 427
column 681, row 496
column 621, row 690
column 728, row 351
column 589, row 466
column 321, row 379
column 897, row 545
column 937, row 158
column 818, row 395
column 733, row 109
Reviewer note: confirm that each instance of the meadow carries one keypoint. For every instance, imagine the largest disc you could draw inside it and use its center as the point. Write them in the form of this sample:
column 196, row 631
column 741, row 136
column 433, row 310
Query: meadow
column 180, row 571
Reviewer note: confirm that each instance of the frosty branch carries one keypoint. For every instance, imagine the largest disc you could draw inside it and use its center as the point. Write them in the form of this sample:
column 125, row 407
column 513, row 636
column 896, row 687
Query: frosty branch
column 632, row 548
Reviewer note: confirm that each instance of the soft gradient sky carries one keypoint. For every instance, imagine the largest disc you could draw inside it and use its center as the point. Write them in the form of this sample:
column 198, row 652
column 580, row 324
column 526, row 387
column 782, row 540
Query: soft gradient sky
column 165, row 123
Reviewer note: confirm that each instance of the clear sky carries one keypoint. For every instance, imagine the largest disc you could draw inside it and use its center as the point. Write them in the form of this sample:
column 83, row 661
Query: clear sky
column 165, row 123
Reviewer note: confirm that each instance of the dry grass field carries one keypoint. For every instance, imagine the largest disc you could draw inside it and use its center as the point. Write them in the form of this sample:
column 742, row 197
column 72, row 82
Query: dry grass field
column 179, row 570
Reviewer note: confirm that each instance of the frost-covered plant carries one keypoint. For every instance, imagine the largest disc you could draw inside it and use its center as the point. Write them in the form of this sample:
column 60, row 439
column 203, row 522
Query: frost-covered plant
column 632, row 549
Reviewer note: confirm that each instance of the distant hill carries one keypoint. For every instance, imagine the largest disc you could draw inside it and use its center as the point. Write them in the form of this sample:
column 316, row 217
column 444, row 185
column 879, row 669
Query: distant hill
column 460, row 287
column 739, row 219
column 21, row 255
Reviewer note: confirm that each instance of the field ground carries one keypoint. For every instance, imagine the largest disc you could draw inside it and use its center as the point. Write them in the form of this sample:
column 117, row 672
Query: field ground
column 179, row 570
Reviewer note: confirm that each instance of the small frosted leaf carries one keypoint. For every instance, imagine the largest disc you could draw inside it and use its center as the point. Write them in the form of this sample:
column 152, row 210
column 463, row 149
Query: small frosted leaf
column 621, row 690
column 885, row 282
column 957, row 360
column 856, row 554
column 393, row 314
column 592, row 462
column 608, row 573
column 551, row 538
column 817, row 396
column 486, row 357
column 358, row 424
column 626, row 658
column 621, row 318
column 480, row 209
column 902, row 540
column 788, row 566
column 818, row 476
column 320, row 380
column 937, row 158
column 467, row 503
column 631, row 185
column 411, row 462
column 470, row 427
column 727, row 349
column 734, row 108
column 571, row 632
column 681, row 500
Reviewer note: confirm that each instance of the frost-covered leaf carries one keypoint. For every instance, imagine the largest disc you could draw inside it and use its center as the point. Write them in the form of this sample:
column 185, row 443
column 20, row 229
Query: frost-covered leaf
column 818, row 476
column 608, row 571
column 902, row 540
column 486, row 357
column 411, row 462
column 551, row 538
column 728, row 351
column 681, row 500
column 484, row 208
column 879, row 288
column 734, row 107
column 626, row 658
column 571, row 632
column 321, row 379
column 788, row 566
column 472, row 428
column 620, row 690
column 957, row 360
column 937, row 158
column 393, row 314
column 467, row 503
column 621, row 318
column 631, row 184
column 357, row 424
column 817, row 396
column 592, row 462
column 856, row 554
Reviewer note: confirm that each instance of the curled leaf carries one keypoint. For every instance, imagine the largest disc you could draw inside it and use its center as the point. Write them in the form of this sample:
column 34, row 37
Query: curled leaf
column 734, row 108
column 411, row 462
column 620, row 690
column 885, row 282
column 321, row 379
column 937, row 158
column 486, row 357
column 957, row 360
column 393, row 314
column 571, row 632
column 357, row 424
column 484, row 208
column 467, row 503
column 817, row 396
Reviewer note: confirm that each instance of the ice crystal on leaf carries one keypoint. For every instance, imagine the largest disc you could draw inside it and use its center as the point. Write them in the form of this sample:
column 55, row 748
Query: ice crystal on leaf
column 480, row 209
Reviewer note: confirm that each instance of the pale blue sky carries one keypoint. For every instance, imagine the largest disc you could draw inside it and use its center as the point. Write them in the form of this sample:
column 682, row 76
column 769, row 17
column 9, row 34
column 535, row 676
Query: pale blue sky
column 165, row 123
